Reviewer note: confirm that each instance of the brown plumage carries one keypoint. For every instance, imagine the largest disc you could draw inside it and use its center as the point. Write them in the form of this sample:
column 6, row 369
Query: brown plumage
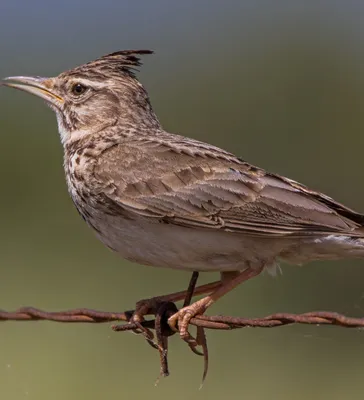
column 166, row 200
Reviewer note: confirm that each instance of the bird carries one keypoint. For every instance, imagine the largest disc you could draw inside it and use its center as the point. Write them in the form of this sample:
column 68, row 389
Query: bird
column 165, row 200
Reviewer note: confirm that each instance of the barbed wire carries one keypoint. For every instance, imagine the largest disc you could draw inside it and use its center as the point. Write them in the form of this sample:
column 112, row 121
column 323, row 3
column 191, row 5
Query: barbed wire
column 220, row 322
column 165, row 309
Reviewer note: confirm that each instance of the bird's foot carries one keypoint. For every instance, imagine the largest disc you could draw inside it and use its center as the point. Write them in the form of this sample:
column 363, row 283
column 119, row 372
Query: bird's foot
column 180, row 321
column 143, row 308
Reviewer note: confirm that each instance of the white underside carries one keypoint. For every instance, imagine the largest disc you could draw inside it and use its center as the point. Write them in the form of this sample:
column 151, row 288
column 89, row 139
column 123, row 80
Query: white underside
column 165, row 245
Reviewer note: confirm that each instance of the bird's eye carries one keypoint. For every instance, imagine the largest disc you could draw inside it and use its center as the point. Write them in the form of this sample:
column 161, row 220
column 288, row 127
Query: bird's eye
column 78, row 89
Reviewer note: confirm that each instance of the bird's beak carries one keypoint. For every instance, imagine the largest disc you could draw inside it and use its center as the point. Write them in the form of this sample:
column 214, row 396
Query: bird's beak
column 41, row 87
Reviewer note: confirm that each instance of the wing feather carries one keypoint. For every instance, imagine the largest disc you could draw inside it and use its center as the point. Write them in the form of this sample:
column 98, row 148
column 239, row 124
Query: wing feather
column 206, row 187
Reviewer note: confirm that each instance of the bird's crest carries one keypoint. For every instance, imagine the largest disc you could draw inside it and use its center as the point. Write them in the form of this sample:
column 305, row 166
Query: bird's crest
column 124, row 61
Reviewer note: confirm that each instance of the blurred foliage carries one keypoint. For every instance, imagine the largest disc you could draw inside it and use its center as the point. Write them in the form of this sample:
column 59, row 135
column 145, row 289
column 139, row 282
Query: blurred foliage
column 278, row 83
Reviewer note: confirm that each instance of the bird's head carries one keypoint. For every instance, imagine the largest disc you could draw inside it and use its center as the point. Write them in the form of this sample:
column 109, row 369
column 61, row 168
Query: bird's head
column 93, row 96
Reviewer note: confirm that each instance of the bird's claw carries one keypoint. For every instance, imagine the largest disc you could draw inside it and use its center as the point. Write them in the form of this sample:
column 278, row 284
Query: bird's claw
column 180, row 321
column 142, row 308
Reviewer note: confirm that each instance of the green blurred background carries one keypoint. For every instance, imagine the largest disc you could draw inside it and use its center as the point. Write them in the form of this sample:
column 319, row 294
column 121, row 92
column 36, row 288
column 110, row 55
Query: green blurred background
column 278, row 83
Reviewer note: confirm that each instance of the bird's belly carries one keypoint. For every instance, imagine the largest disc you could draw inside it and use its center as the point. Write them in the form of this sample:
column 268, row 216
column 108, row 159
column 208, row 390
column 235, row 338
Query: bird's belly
column 150, row 242
column 162, row 245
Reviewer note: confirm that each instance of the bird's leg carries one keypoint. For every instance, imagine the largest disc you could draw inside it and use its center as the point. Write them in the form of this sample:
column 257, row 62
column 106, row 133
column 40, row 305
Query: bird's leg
column 191, row 288
column 200, row 339
column 184, row 315
column 150, row 306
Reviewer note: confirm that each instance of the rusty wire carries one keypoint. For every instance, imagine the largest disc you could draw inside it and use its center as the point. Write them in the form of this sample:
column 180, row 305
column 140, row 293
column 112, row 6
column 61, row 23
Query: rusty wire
column 165, row 309
column 220, row 322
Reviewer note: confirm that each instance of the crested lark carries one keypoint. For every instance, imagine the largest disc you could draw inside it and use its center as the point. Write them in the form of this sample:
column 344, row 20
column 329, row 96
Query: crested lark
column 164, row 200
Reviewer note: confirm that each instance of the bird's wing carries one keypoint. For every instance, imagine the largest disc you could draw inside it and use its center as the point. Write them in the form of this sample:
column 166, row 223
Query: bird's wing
column 200, row 186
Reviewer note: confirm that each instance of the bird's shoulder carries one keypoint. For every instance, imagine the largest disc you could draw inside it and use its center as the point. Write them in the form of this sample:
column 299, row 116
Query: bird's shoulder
column 180, row 160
